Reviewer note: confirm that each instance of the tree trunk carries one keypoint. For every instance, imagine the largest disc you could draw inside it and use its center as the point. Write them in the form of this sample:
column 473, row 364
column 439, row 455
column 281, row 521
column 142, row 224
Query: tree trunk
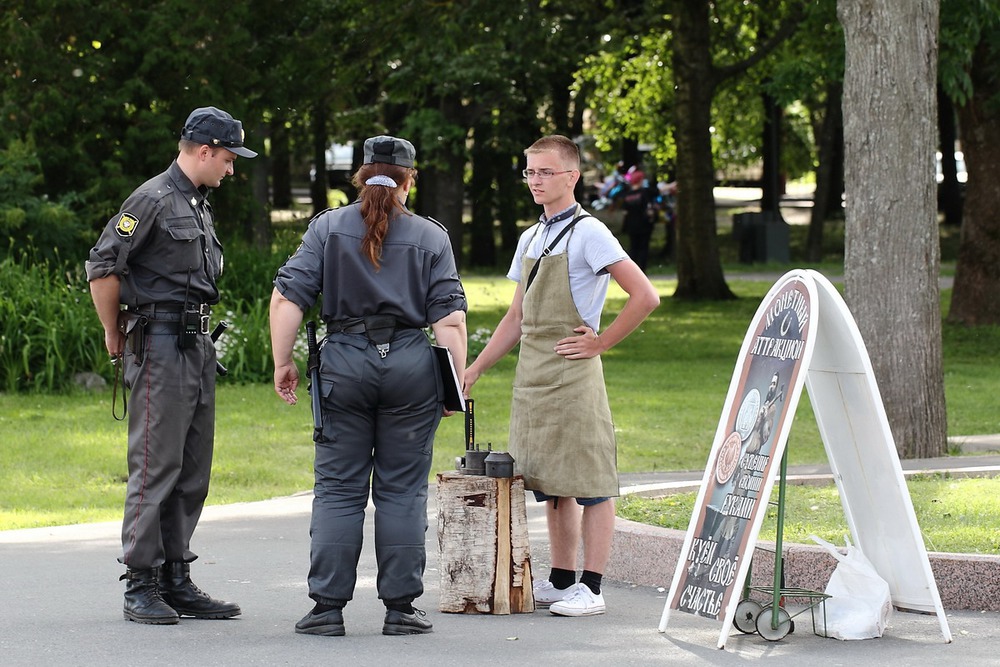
column 482, row 246
column 835, row 205
column 260, row 221
column 630, row 152
column 281, row 164
column 771, row 186
column 892, row 257
column 976, row 295
column 950, row 192
column 510, row 190
column 559, row 112
column 699, row 270
column 826, row 181
column 442, row 184
column 317, row 188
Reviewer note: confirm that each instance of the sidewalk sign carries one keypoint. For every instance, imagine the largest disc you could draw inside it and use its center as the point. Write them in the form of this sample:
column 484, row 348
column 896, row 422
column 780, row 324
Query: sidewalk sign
column 802, row 334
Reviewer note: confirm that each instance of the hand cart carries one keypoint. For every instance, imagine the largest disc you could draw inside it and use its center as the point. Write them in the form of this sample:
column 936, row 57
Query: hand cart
column 772, row 621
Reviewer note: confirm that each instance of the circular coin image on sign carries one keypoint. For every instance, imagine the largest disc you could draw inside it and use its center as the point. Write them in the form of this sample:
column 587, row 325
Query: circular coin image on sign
column 747, row 416
column 729, row 456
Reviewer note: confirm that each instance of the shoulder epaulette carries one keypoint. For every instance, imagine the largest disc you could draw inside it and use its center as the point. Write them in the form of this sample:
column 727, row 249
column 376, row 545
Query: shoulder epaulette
column 439, row 224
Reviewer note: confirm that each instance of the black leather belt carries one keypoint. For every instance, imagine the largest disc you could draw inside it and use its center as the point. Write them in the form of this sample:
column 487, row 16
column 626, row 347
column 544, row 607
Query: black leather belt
column 360, row 325
column 164, row 328
column 151, row 310
column 357, row 328
column 380, row 329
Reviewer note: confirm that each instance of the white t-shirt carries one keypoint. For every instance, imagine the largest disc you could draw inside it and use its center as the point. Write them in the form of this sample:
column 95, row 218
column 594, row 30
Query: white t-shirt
column 592, row 248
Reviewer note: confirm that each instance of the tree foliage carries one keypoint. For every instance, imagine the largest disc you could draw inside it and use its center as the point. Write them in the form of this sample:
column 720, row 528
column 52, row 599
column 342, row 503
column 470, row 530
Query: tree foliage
column 102, row 91
column 99, row 92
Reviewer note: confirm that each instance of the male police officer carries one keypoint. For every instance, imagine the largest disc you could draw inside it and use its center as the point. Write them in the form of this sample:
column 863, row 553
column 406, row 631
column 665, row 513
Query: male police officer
column 160, row 258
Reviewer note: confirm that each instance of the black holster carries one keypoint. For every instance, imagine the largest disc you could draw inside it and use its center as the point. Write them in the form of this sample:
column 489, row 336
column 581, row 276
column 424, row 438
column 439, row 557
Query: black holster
column 133, row 327
column 380, row 328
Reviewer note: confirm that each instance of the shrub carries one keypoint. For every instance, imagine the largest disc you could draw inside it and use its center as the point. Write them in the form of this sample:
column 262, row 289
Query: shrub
column 33, row 224
column 50, row 332
column 48, row 328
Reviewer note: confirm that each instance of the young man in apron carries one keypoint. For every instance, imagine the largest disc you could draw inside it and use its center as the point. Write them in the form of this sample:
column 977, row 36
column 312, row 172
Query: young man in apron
column 561, row 433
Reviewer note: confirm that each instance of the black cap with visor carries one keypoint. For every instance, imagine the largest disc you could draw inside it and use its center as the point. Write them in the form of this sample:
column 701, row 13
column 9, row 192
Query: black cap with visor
column 214, row 127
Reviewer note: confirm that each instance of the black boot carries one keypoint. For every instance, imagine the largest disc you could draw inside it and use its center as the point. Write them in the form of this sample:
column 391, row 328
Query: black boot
column 398, row 622
column 179, row 592
column 143, row 603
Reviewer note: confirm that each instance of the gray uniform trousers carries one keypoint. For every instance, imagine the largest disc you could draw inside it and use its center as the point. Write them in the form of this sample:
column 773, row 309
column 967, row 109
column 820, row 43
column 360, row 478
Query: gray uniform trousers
column 171, row 438
column 379, row 419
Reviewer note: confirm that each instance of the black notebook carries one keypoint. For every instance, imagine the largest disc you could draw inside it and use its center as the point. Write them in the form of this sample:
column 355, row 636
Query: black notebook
column 454, row 399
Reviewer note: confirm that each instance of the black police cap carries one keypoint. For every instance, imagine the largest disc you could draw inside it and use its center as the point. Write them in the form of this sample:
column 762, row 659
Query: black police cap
column 215, row 127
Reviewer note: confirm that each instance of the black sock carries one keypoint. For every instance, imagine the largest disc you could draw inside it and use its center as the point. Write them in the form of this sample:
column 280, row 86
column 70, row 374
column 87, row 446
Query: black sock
column 402, row 607
column 562, row 579
column 321, row 608
column 593, row 581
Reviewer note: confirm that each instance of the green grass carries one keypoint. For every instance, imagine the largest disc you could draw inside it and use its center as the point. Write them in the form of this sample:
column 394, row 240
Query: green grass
column 63, row 459
column 63, row 456
column 956, row 515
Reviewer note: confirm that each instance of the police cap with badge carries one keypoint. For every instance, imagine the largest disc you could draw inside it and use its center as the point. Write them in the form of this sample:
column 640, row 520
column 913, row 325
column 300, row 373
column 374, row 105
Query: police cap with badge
column 214, row 127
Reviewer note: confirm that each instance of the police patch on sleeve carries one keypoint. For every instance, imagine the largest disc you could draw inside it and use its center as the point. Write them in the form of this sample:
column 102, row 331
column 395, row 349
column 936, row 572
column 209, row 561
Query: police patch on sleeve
column 126, row 224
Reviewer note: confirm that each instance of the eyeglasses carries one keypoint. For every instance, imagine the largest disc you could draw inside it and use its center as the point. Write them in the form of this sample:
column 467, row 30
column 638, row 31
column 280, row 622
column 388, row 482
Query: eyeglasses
column 542, row 173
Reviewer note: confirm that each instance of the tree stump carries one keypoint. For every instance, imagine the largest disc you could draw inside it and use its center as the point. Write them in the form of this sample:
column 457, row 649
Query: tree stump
column 483, row 539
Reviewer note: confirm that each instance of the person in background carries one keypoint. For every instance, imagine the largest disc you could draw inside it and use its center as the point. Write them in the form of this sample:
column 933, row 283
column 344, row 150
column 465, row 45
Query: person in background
column 561, row 433
column 612, row 188
column 384, row 274
column 640, row 217
column 666, row 202
column 159, row 256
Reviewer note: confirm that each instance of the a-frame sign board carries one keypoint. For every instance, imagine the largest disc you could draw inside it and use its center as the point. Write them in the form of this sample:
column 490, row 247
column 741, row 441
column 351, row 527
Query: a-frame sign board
column 802, row 334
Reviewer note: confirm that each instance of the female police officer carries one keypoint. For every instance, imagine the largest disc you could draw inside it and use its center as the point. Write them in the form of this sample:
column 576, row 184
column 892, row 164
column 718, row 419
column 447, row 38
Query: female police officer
column 384, row 274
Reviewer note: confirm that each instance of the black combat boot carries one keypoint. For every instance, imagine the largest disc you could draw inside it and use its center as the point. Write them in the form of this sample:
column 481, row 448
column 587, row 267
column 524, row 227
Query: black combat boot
column 179, row 592
column 143, row 603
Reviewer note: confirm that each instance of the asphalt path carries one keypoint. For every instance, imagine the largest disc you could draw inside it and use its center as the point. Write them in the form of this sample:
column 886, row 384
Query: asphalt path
column 62, row 606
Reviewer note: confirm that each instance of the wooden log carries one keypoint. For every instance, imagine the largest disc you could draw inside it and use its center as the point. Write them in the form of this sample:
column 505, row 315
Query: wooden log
column 483, row 538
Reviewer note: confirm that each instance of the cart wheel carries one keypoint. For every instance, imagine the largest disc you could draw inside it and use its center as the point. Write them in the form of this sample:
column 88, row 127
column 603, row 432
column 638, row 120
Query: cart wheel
column 764, row 624
column 746, row 615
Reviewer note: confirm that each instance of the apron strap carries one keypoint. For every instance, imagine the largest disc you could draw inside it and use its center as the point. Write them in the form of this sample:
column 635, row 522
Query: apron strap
column 551, row 247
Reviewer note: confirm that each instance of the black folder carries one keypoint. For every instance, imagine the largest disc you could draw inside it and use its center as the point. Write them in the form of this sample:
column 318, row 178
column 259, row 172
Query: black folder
column 454, row 399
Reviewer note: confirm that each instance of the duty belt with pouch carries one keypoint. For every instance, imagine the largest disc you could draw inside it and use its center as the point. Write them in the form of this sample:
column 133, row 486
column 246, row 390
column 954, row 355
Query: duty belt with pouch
column 379, row 329
column 194, row 322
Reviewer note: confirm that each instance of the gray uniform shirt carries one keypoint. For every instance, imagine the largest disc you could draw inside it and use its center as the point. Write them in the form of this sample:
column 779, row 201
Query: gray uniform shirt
column 162, row 237
column 417, row 282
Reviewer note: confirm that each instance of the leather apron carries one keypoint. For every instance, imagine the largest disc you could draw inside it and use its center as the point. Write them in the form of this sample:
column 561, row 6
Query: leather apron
column 561, row 434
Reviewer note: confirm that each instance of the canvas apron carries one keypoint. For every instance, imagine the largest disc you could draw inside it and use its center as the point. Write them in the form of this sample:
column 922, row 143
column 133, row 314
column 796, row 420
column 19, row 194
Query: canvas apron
column 561, row 435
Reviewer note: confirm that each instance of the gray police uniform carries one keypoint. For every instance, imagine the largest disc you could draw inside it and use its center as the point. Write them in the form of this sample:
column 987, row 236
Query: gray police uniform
column 380, row 407
column 163, row 246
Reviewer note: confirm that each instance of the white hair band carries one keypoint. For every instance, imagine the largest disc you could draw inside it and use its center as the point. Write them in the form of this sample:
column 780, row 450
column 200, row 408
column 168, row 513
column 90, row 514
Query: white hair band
column 382, row 179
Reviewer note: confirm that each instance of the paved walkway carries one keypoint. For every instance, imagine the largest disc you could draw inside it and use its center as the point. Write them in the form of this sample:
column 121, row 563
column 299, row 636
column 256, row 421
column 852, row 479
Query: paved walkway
column 62, row 606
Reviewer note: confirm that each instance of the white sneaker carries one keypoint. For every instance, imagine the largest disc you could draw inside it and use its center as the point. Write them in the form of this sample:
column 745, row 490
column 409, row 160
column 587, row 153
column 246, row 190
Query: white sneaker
column 582, row 602
column 545, row 593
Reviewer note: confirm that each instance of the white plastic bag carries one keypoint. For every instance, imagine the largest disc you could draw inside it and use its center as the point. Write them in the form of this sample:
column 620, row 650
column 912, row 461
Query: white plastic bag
column 860, row 605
